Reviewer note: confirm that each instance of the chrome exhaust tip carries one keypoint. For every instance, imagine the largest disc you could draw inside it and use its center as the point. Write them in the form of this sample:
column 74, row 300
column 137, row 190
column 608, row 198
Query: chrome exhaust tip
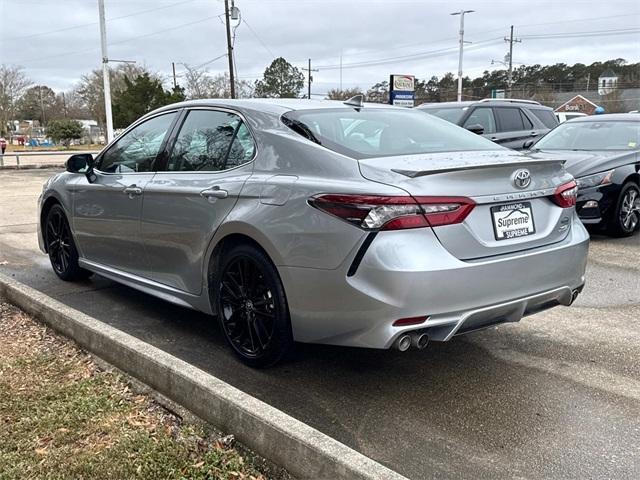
column 574, row 296
column 420, row 340
column 403, row 343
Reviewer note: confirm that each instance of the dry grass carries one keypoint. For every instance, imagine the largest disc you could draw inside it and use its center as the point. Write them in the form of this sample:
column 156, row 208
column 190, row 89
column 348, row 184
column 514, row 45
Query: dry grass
column 61, row 417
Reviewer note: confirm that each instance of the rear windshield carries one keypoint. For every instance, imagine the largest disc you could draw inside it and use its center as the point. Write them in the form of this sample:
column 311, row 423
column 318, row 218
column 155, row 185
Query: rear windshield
column 450, row 114
column 545, row 116
column 382, row 132
column 606, row 135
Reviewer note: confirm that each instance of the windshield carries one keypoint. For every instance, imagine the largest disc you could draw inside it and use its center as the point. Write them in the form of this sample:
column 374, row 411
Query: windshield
column 606, row 135
column 382, row 132
column 450, row 114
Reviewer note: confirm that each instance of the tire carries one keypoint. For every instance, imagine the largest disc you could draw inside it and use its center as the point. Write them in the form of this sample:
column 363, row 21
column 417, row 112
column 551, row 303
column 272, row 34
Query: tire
column 626, row 217
column 251, row 305
column 62, row 250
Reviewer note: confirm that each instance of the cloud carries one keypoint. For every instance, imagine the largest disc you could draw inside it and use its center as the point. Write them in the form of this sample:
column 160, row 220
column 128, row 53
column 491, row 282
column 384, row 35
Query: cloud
column 58, row 41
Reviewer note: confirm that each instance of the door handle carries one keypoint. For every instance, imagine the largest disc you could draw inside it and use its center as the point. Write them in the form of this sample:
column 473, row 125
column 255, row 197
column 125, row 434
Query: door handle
column 214, row 192
column 534, row 134
column 133, row 191
column 494, row 139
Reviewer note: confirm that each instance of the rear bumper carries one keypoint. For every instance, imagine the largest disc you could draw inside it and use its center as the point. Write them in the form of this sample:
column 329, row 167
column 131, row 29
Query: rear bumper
column 409, row 274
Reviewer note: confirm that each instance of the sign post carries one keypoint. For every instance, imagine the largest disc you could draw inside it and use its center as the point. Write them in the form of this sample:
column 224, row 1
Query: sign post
column 402, row 90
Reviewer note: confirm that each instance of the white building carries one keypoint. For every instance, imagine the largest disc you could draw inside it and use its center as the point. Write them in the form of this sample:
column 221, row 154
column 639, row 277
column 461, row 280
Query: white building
column 607, row 82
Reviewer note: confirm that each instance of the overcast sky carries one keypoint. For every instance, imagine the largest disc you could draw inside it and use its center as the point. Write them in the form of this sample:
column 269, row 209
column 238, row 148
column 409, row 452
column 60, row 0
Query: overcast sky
column 56, row 41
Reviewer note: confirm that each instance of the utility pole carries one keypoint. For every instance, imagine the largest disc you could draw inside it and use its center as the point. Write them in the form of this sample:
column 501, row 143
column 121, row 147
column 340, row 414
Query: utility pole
column 173, row 67
column 230, row 48
column 44, row 120
column 341, row 70
column 309, row 70
column 462, row 14
column 105, row 72
column 511, row 41
column 64, row 104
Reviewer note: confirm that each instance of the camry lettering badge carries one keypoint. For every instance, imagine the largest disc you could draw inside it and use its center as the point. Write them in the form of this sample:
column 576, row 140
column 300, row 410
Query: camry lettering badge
column 521, row 178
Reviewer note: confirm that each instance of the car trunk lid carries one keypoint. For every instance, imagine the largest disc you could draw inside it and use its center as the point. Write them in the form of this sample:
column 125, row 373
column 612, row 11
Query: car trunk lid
column 506, row 218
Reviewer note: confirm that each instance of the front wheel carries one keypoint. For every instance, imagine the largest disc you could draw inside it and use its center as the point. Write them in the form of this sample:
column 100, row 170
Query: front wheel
column 251, row 306
column 61, row 247
column 626, row 217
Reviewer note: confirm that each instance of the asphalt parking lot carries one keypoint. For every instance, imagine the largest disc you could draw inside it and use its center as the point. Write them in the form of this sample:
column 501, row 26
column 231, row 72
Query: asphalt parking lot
column 555, row 396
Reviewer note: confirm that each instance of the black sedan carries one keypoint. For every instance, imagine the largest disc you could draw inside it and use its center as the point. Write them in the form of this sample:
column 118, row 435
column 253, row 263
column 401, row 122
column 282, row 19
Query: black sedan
column 603, row 153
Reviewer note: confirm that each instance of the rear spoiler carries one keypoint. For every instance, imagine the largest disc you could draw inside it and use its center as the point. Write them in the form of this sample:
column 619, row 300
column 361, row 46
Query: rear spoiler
column 473, row 166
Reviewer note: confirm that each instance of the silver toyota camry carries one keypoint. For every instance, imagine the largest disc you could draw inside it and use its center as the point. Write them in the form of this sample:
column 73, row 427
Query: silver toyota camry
column 319, row 221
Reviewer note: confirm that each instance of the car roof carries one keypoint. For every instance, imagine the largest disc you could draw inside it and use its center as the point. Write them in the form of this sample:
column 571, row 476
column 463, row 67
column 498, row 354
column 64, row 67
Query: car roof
column 609, row 117
column 276, row 106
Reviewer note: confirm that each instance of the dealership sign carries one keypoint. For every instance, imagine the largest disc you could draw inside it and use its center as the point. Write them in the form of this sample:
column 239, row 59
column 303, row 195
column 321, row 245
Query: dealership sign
column 402, row 92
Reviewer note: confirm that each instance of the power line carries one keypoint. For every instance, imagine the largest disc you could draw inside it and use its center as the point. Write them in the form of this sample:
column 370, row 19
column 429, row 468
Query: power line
column 259, row 39
column 65, row 29
column 596, row 33
column 67, row 54
column 414, row 56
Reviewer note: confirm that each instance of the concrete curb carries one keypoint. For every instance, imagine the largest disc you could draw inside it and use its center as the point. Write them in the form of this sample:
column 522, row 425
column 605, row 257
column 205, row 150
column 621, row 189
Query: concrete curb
column 303, row 451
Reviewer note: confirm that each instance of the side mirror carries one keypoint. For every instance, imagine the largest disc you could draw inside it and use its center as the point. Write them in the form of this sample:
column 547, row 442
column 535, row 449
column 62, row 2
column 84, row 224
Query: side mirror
column 81, row 163
column 528, row 144
column 475, row 128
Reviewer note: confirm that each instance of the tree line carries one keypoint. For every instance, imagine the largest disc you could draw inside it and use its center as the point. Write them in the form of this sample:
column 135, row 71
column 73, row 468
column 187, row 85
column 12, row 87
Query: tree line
column 136, row 90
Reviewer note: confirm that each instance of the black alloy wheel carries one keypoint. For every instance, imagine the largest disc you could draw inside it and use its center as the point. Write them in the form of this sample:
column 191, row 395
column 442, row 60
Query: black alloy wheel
column 627, row 215
column 61, row 247
column 252, row 307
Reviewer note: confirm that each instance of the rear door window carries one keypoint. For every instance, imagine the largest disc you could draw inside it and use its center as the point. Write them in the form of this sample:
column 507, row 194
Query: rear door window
column 509, row 119
column 209, row 141
column 527, row 122
column 482, row 116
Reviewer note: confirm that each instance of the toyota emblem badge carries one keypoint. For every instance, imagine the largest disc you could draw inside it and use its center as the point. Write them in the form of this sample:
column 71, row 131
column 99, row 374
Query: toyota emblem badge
column 522, row 178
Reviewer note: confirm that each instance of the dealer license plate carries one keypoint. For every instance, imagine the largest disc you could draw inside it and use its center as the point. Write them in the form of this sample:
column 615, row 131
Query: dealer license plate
column 513, row 220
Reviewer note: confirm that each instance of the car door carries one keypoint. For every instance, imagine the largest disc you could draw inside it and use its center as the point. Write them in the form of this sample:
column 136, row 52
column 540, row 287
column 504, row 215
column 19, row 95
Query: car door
column 106, row 211
column 514, row 128
column 196, row 188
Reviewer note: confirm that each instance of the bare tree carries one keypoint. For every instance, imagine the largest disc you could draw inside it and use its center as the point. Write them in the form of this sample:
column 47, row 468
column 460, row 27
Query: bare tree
column 199, row 83
column 13, row 83
column 90, row 88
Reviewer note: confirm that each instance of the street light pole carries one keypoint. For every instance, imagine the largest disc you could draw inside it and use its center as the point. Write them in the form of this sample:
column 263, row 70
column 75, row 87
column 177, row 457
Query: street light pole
column 462, row 14
column 105, row 72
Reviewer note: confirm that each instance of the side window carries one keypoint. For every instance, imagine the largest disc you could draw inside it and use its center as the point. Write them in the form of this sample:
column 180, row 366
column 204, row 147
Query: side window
column 509, row 119
column 482, row 116
column 546, row 116
column 206, row 139
column 525, row 120
column 242, row 148
column 138, row 148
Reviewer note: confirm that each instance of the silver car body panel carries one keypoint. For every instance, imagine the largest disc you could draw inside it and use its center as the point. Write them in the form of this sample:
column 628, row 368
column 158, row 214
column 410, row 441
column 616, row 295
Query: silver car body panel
column 455, row 275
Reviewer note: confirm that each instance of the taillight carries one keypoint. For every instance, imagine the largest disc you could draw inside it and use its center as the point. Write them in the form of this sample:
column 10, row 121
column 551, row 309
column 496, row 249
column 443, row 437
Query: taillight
column 566, row 195
column 374, row 212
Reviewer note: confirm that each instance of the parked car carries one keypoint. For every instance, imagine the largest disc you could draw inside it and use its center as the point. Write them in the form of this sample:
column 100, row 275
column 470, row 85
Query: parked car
column 603, row 153
column 564, row 116
column 319, row 221
column 507, row 122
